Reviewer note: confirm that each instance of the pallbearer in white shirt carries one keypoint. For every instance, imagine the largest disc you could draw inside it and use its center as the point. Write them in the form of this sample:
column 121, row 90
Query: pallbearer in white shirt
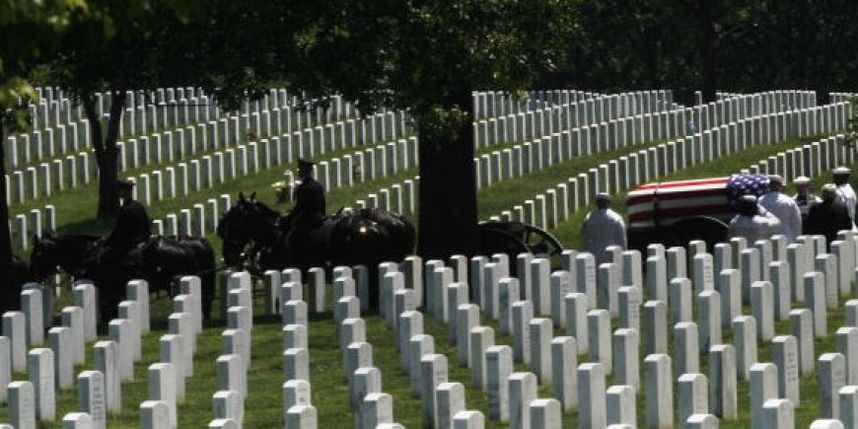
column 783, row 207
column 602, row 228
column 753, row 222
column 845, row 193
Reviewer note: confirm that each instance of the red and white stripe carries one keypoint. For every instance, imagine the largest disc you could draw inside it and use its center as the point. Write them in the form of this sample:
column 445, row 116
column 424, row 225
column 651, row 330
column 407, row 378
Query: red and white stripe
column 677, row 200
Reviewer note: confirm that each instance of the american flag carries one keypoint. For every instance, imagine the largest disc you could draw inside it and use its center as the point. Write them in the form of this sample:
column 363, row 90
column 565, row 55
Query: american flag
column 669, row 202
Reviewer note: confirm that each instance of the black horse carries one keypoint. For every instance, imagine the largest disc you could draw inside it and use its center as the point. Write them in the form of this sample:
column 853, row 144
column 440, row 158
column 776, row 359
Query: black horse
column 158, row 260
column 254, row 239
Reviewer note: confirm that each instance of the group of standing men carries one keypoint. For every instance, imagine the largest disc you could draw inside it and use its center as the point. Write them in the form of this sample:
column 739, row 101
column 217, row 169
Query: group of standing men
column 757, row 219
column 805, row 213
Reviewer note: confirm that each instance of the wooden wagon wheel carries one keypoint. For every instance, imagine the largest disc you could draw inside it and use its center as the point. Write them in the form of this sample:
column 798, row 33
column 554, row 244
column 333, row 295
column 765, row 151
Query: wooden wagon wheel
column 541, row 242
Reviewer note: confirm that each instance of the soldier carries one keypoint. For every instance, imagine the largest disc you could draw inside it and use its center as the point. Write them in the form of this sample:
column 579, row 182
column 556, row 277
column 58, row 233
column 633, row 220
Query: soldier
column 845, row 193
column 804, row 199
column 132, row 224
column 829, row 216
column 603, row 227
column 309, row 207
column 782, row 207
column 753, row 222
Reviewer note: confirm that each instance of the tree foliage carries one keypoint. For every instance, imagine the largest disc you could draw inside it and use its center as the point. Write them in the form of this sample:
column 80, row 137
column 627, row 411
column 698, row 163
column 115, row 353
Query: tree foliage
column 113, row 48
column 758, row 45
column 28, row 30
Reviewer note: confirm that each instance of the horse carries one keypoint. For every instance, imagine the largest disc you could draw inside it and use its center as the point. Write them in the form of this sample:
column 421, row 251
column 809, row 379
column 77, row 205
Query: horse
column 254, row 238
column 158, row 260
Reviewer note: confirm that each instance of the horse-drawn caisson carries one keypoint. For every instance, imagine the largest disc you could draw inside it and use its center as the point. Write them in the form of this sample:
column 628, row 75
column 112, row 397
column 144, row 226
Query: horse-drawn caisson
column 256, row 238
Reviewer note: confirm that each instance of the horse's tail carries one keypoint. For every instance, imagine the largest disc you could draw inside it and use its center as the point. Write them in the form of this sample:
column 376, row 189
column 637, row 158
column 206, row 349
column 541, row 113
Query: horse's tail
column 207, row 272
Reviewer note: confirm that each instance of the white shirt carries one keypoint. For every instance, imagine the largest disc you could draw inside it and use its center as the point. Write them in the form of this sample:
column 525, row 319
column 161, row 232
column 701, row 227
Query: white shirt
column 603, row 228
column 806, row 202
column 846, row 195
column 759, row 227
column 786, row 210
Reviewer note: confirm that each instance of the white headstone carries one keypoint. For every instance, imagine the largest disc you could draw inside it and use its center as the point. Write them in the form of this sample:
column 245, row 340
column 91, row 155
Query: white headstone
column 14, row 328
column 155, row 415
column 576, row 320
column 228, row 404
column 620, row 403
column 499, row 367
column 450, row 400
column 831, row 378
column 564, row 361
column 693, row 395
column 659, row 390
column 626, row 365
column 22, row 405
column 231, row 374
column 162, row 388
column 73, row 318
column 92, row 397
column 60, row 340
column 801, row 326
column 591, row 396
column 722, row 381
column 522, row 390
column 785, row 358
column 40, row 367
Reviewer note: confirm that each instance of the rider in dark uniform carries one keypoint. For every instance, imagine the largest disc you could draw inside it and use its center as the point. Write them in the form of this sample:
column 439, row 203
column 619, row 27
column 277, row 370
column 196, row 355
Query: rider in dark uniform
column 309, row 207
column 132, row 224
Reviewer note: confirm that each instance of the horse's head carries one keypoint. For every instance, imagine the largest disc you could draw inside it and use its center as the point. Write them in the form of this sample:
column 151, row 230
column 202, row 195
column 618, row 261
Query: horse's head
column 53, row 252
column 244, row 223
column 46, row 256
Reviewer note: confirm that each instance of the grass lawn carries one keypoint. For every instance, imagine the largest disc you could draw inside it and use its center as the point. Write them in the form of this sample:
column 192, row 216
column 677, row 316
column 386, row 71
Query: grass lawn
column 330, row 392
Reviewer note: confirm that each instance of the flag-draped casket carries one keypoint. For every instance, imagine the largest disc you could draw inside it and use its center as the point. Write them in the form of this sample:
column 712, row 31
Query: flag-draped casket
column 675, row 212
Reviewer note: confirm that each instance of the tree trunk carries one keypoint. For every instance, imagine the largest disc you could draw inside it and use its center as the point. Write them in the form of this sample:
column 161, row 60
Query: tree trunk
column 106, row 153
column 107, row 160
column 707, row 52
column 8, row 288
column 448, row 196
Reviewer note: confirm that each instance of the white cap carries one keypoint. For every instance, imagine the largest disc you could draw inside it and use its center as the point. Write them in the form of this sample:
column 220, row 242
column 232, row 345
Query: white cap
column 776, row 178
column 749, row 198
column 601, row 196
column 841, row 170
column 801, row 180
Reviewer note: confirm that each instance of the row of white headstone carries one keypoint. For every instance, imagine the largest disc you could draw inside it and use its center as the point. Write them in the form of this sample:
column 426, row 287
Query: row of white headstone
column 548, row 208
column 209, row 171
column 535, row 155
column 161, row 110
column 154, row 146
column 25, row 226
column 583, row 300
column 811, row 159
column 488, row 104
column 51, row 369
column 35, row 181
column 545, row 119
column 59, row 128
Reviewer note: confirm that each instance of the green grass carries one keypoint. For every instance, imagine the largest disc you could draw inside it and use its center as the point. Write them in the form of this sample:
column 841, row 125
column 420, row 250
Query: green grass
column 330, row 392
